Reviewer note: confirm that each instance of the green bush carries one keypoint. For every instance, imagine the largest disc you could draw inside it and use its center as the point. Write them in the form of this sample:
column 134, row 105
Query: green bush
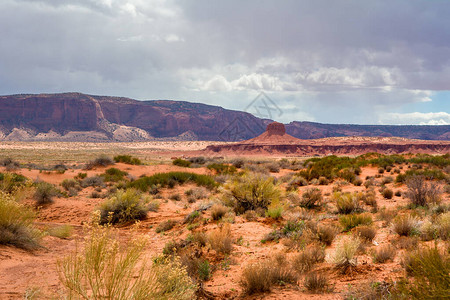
column 170, row 179
column 252, row 191
column 11, row 182
column 16, row 224
column 127, row 159
column 351, row 221
column 181, row 163
column 123, row 206
column 113, row 175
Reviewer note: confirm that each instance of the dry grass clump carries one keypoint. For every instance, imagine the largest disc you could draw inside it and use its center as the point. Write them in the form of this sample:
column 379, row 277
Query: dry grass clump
column 406, row 242
column 344, row 255
column 105, row 270
column 44, row 193
column 124, row 206
column 431, row 271
column 72, row 186
column 443, row 226
column 62, row 232
column 252, row 191
column 326, row 234
column 16, row 224
column 250, row 215
column 365, row 232
column 387, row 193
column 316, row 282
column 384, row 253
column 421, row 193
column 311, row 198
column 165, row 226
column 346, row 203
column 350, row 221
column 405, row 225
column 220, row 239
column 261, row 276
column 307, row 258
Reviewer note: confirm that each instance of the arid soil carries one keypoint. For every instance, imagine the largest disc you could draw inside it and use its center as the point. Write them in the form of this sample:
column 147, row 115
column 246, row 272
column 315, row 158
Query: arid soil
column 24, row 272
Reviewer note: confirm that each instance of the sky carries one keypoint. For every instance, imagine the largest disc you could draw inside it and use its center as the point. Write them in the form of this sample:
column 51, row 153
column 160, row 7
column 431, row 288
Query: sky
column 335, row 61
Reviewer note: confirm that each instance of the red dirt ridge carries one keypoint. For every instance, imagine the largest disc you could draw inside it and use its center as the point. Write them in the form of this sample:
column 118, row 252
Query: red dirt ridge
column 276, row 141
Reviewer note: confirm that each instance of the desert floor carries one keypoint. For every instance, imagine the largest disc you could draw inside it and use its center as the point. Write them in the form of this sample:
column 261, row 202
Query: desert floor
column 27, row 273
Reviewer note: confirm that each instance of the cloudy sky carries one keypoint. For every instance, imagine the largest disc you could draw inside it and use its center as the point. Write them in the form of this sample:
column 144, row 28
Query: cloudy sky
column 335, row 61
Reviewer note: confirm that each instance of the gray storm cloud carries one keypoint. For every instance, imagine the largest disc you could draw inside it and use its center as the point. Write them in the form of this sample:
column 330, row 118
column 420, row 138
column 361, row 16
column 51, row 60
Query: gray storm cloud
column 330, row 61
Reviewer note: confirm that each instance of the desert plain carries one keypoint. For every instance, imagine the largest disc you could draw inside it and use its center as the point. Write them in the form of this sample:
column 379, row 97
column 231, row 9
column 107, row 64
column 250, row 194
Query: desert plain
column 257, row 225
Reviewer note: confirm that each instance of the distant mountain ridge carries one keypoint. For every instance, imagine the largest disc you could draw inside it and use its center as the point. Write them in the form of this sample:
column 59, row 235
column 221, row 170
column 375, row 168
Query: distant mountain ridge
column 81, row 117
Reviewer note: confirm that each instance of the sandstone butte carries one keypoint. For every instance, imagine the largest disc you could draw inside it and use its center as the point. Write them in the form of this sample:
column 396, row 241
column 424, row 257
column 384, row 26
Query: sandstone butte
column 276, row 141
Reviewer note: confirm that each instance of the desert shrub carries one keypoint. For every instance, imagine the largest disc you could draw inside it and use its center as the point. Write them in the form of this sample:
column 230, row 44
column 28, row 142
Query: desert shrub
column 170, row 179
column 311, row 198
column 222, row 168
column 386, row 215
column 238, row 162
column 62, row 232
column 381, row 170
column 102, row 161
column 218, row 211
column 220, row 239
column 386, row 180
column 346, row 203
column 191, row 217
column 197, row 193
column 252, row 191
column 44, row 193
column 197, row 267
column 365, row 232
column 113, row 175
column 344, row 255
column 71, row 185
column 181, row 162
column 368, row 197
column 94, row 181
column 307, row 258
column 372, row 290
column 405, row 225
column 273, row 168
column 9, row 164
column 350, row 221
column 16, row 224
column 384, row 253
column 387, row 193
column 398, row 193
column 326, row 233
column 431, row 272
column 420, row 193
column 127, row 159
column 357, row 182
column 165, row 226
column 11, row 182
column 316, row 282
column 261, row 276
column 295, row 182
column 105, row 270
column 124, row 206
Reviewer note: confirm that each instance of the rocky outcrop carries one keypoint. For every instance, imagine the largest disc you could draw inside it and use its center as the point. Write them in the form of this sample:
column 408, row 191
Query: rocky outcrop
column 85, row 117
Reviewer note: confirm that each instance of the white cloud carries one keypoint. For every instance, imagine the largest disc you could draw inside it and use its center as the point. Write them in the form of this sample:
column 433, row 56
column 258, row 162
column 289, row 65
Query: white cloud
column 432, row 118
